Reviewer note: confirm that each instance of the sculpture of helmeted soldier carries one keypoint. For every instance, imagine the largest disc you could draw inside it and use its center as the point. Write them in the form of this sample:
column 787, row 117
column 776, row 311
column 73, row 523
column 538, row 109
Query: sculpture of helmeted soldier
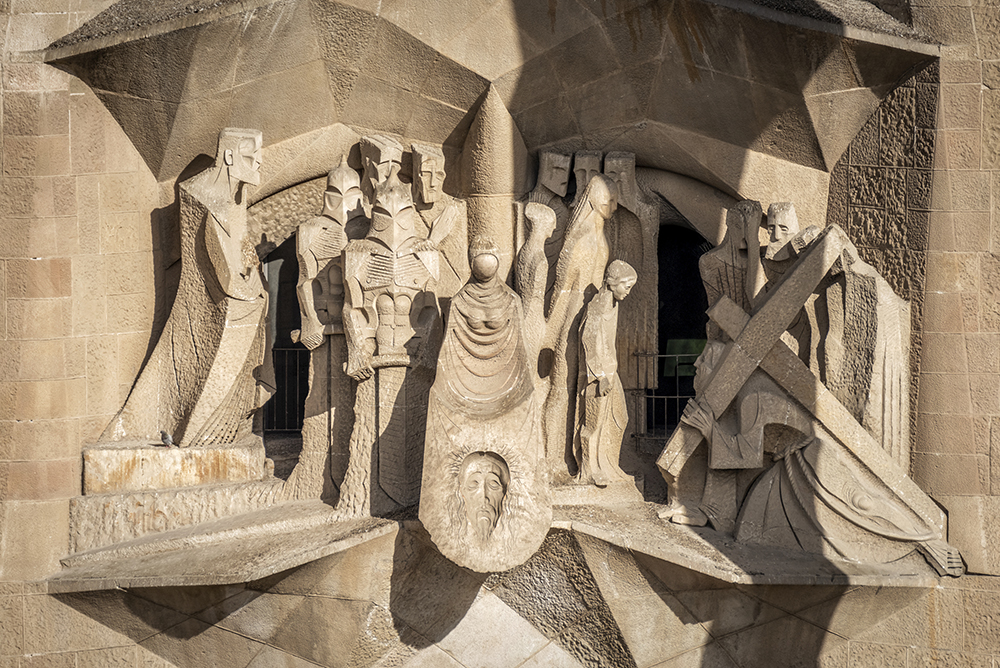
column 319, row 244
column 392, row 325
column 320, row 241
column 379, row 155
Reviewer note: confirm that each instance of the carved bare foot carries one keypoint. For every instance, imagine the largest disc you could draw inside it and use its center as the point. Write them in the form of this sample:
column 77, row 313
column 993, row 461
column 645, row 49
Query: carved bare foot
column 687, row 516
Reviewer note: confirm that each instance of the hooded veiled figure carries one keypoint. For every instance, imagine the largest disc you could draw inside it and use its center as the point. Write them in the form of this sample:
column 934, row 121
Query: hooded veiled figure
column 486, row 371
column 482, row 408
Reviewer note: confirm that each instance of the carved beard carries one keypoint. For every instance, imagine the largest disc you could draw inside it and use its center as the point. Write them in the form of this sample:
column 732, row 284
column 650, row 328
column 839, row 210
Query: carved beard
column 483, row 528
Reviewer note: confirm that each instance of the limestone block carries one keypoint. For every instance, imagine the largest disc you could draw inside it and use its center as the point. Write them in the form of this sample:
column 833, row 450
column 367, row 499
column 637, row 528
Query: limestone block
column 129, row 466
column 960, row 106
column 36, row 480
column 938, row 614
column 973, row 522
column 105, row 519
column 942, row 312
column 34, row 534
column 945, row 434
column 493, row 636
column 191, row 641
column 944, row 394
column 112, row 657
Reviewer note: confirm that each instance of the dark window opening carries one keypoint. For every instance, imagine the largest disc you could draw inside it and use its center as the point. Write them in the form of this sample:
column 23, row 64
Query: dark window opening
column 284, row 413
column 681, row 321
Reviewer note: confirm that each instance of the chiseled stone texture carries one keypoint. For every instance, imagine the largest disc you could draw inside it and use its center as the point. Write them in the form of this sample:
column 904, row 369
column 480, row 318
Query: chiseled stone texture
column 395, row 601
column 78, row 285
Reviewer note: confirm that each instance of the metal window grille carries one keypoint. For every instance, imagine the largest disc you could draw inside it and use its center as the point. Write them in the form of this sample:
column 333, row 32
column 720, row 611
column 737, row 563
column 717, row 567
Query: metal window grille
column 286, row 409
column 661, row 407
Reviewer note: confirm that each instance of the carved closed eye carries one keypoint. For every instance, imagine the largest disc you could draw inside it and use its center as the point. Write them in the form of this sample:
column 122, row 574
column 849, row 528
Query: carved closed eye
column 495, row 485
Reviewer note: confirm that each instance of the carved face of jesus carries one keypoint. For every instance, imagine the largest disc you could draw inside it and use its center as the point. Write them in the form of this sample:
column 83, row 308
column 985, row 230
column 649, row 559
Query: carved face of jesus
column 430, row 178
column 483, row 484
column 553, row 172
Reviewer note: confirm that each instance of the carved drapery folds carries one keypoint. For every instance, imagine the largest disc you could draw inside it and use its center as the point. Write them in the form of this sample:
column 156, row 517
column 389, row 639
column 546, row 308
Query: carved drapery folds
column 211, row 368
column 519, row 398
column 805, row 392
column 483, row 430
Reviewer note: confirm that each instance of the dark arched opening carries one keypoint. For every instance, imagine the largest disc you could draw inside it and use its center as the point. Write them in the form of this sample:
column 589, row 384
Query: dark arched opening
column 283, row 414
column 681, row 327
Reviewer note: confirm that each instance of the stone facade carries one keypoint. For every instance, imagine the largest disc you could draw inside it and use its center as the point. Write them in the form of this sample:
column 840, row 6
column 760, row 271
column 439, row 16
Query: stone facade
column 89, row 269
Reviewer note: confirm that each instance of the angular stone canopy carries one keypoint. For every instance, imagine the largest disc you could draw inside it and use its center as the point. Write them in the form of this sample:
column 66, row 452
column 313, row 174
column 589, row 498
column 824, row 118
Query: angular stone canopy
column 689, row 86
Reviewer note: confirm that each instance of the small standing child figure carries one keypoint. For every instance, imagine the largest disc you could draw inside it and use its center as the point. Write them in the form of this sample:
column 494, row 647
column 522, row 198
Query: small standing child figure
column 603, row 414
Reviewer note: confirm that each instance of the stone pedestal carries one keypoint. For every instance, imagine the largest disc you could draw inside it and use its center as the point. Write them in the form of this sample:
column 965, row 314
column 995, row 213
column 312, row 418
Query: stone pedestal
column 130, row 466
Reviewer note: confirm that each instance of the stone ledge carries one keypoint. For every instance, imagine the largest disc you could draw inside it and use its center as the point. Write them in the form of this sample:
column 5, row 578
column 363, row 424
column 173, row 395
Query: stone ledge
column 637, row 528
column 255, row 545
column 100, row 520
column 231, row 550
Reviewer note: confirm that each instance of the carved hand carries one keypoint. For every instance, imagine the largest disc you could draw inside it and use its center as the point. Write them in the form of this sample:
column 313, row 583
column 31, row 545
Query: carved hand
column 698, row 417
column 312, row 334
column 359, row 365
column 603, row 386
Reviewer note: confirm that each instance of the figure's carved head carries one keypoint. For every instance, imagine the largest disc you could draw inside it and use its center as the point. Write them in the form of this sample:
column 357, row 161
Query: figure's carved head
column 620, row 167
column 378, row 155
column 602, row 195
column 706, row 363
column 240, row 154
column 740, row 215
column 428, row 172
column 342, row 200
column 484, row 258
column 482, row 485
column 553, row 171
column 586, row 165
column 782, row 225
column 392, row 213
column 619, row 278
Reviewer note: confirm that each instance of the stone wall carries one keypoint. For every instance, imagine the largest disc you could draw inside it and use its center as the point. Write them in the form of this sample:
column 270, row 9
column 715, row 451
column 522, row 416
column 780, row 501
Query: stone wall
column 958, row 434
column 77, row 265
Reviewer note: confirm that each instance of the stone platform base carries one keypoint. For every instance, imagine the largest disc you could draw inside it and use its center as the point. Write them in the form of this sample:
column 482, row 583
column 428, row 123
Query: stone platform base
column 131, row 466
column 99, row 520
column 615, row 494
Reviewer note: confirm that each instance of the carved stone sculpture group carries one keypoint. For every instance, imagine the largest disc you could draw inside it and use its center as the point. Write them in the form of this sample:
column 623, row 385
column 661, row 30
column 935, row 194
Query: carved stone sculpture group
column 476, row 395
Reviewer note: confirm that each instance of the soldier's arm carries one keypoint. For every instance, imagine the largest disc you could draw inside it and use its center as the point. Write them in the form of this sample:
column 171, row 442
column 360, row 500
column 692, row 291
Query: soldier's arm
column 311, row 334
column 359, row 364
